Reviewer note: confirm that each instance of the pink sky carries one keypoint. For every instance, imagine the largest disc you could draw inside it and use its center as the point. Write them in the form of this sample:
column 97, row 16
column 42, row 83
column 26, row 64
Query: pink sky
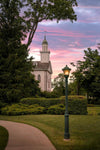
column 67, row 41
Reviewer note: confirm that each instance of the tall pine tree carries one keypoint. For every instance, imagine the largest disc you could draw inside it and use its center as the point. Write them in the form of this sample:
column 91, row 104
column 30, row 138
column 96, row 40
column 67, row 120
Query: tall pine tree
column 17, row 18
column 16, row 80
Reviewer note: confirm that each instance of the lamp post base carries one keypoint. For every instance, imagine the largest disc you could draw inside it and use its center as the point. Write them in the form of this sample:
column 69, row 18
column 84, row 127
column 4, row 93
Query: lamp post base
column 66, row 136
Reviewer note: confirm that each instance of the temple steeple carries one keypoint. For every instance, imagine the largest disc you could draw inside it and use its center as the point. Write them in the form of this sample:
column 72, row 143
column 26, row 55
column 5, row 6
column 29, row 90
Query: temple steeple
column 43, row 68
column 45, row 53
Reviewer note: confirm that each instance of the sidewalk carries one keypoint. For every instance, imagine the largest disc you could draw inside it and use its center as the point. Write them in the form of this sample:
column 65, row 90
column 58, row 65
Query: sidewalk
column 26, row 137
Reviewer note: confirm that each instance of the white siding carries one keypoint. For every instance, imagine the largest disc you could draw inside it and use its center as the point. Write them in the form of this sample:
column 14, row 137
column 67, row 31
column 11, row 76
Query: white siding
column 45, row 83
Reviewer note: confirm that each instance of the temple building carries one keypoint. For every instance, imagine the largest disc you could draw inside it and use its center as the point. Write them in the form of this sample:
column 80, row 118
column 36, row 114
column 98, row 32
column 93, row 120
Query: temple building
column 43, row 68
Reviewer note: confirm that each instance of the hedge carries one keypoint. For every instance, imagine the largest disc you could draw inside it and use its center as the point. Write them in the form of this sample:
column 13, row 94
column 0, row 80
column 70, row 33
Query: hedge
column 56, row 109
column 47, row 102
column 76, row 104
column 44, row 102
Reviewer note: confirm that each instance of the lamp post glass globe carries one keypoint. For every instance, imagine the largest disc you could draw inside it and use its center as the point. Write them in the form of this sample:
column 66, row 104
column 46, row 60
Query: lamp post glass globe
column 66, row 70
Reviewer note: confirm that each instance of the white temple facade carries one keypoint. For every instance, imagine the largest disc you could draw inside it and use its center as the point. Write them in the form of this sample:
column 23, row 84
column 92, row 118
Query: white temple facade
column 43, row 68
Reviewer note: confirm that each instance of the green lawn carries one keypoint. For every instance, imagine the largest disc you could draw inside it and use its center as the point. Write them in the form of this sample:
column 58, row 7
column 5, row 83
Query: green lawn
column 3, row 138
column 94, row 110
column 84, row 129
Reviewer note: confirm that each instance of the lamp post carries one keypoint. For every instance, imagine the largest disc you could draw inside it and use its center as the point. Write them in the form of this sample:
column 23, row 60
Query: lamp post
column 66, row 71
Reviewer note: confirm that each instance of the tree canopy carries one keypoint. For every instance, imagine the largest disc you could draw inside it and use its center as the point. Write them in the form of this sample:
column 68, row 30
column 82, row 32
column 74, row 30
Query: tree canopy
column 39, row 10
column 31, row 12
column 87, row 73
column 16, row 80
column 59, row 85
column 19, row 20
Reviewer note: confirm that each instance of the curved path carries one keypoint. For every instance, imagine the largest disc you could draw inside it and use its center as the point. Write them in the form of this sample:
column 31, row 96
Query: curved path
column 25, row 137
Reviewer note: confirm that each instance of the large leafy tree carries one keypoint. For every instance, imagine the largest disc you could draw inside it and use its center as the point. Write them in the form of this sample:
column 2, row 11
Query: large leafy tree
column 19, row 20
column 39, row 10
column 59, row 85
column 77, row 77
column 89, row 71
column 32, row 12
column 16, row 80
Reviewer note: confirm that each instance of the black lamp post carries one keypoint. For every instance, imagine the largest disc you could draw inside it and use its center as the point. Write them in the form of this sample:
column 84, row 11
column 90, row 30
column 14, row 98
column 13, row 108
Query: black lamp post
column 66, row 71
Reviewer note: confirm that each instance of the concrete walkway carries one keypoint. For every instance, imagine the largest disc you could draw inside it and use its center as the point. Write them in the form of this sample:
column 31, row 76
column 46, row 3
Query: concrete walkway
column 25, row 137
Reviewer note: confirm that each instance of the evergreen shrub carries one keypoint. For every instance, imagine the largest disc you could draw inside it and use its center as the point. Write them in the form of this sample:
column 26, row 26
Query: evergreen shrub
column 76, row 104
column 22, row 109
column 44, row 102
column 56, row 109
column 2, row 105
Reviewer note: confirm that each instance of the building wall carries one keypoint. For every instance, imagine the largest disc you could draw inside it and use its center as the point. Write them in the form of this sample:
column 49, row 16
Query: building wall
column 48, row 81
column 45, row 80
column 42, row 74
column 45, row 57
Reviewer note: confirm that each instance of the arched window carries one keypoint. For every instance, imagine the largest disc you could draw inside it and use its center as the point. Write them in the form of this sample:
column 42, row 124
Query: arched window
column 39, row 78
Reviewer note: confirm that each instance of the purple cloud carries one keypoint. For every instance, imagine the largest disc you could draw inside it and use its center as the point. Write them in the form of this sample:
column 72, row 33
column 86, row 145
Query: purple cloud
column 68, row 40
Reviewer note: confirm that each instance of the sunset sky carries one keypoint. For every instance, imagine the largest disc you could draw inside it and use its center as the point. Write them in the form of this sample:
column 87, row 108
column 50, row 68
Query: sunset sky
column 67, row 40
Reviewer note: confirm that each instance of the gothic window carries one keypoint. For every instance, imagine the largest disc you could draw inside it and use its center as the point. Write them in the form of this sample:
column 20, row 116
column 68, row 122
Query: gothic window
column 48, row 84
column 39, row 78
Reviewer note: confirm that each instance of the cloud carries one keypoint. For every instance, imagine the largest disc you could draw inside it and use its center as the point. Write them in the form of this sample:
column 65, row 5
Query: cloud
column 89, row 3
column 67, row 41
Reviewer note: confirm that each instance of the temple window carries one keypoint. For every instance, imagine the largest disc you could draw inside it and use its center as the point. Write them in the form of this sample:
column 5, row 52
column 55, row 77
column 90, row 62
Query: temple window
column 39, row 78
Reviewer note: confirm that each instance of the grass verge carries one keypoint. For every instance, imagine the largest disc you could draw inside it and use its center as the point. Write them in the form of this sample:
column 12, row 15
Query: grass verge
column 94, row 110
column 84, row 130
column 3, row 138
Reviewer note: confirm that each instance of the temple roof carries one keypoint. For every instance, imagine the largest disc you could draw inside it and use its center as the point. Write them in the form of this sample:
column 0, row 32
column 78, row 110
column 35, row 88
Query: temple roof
column 39, row 66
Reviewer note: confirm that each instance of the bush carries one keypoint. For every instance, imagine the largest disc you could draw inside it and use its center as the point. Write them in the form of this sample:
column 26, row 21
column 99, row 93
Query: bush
column 56, row 109
column 77, row 107
column 44, row 102
column 20, row 109
column 49, row 94
column 2, row 105
column 76, row 104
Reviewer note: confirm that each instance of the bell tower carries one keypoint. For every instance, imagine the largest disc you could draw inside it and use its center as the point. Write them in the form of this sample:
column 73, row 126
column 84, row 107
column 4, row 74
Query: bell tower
column 45, row 54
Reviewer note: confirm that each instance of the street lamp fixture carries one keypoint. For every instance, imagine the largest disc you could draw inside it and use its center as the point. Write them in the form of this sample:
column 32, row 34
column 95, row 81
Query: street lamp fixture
column 66, row 71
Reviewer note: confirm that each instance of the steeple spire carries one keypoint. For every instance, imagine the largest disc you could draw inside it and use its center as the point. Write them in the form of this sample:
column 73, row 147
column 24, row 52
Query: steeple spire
column 45, row 52
column 44, row 41
column 44, row 37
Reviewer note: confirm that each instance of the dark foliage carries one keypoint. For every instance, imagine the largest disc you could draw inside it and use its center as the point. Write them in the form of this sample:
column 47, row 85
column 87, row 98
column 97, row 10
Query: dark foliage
column 16, row 80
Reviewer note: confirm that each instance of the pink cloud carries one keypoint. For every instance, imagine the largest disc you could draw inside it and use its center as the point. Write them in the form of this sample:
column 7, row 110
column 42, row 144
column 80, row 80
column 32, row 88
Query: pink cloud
column 67, row 33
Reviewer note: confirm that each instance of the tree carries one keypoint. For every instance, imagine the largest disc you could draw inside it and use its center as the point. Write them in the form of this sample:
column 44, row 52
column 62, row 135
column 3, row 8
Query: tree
column 89, row 69
column 34, row 11
column 16, row 80
column 39, row 10
column 19, row 19
column 59, row 85
column 77, row 79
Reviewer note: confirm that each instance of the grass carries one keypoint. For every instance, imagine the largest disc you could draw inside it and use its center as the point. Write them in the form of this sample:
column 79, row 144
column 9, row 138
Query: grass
column 3, row 138
column 94, row 110
column 84, row 129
